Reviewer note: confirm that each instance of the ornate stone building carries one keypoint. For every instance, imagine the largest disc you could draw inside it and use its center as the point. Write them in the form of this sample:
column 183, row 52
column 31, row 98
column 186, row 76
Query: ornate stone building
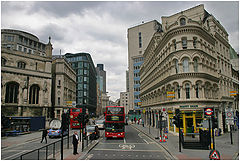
column 26, row 78
column 187, row 67
column 63, row 85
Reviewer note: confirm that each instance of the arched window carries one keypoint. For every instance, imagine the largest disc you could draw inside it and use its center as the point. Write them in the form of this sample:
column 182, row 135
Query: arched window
column 182, row 21
column 21, row 65
column 3, row 61
column 187, row 87
column 176, row 66
column 195, row 65
column 185, row 65
column 11, row 95
column 197, row 90
column 34, row 94
column 179, row 90
column 184, row 43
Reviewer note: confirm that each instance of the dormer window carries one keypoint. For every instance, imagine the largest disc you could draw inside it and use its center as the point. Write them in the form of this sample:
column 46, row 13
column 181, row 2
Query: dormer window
column 182, row 21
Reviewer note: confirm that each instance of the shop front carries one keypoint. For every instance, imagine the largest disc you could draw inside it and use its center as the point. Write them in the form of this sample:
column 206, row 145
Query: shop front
column 190, row 121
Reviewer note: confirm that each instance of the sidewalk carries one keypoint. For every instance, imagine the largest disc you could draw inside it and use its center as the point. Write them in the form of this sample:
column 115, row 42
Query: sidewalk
column 68, row 153
column 222, row 144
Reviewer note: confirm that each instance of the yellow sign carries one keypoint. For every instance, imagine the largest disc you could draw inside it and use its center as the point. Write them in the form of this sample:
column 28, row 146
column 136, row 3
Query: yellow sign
column 69, row 103
column 144, row 111
column 170, row 94
column 233, row 93
column 139, row 103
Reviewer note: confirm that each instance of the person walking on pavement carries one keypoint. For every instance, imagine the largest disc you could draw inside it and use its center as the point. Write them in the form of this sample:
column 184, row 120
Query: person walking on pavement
column 135, row 120
column 75, row 143
column 44, row 135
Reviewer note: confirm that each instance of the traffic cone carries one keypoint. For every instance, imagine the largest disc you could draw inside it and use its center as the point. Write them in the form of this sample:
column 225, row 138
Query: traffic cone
column 164, row 140
column 166, row 137
column 160, row 139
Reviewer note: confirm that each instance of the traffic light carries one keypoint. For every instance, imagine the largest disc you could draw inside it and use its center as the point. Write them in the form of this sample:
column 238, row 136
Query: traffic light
column 64, row 121
column 177, row 111
column 176, row 121
column 214, row 122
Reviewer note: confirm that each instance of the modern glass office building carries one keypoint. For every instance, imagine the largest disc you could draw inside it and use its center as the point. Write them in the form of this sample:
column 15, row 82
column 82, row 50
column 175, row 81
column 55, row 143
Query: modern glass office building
column 86, row 80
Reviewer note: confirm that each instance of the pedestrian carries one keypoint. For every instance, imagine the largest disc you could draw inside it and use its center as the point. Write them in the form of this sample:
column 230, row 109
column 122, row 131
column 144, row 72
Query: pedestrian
column 142, row 123
column 44, row 135
column 193, row 136
column 75, row 143
column 132, row 120
column 135, row 120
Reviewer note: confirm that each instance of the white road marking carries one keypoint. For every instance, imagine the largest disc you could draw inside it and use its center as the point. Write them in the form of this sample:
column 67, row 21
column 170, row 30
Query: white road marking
column 124, row 140
column 89, row 157
column 23, row 151
column 126, row 146
column 128, row 150
column 146, row 141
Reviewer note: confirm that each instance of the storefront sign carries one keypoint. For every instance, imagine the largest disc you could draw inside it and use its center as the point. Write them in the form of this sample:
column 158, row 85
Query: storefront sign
column 233, row 93
column 188, row 106
column 170, row 94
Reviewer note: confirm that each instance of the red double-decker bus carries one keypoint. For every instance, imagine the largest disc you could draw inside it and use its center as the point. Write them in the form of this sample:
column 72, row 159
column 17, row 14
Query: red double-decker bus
column 115, row 122
column 74, row 112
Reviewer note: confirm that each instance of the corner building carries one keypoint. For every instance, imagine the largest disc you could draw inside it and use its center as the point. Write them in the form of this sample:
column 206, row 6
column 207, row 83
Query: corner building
column 190, row 58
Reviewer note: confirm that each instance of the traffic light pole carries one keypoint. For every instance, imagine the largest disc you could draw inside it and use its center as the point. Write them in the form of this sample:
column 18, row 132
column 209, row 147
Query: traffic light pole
column 179, row 132
column 213, row 133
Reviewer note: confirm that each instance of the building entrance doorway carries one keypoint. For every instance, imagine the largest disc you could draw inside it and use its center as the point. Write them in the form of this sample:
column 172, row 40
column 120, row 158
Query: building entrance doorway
column 189, row 124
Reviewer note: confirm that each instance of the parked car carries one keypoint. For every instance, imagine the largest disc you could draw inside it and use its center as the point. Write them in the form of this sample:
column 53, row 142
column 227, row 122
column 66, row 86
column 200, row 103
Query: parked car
column 55, row 129
column 92, row 132
column 100, row 124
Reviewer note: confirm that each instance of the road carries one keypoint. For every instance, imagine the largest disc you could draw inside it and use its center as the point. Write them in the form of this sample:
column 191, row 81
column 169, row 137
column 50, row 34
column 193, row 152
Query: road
column 135, row 146
column 24, row 145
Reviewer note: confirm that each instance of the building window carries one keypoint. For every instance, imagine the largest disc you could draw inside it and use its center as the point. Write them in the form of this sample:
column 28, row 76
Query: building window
column 19, row 48
column 21, row 65
column 3, row 61
column 140, row 39
column 29, row 51
column 176, row 66
column 175, row 44
column 59, row 82
column 197, row 91
column 195, row 65
column 25, row 50
column 9, row 38
column 187, row 87
column 36, row 66
column 184, row 43
column 58, row 100
column 195, row 42
column 185, row 65
column 11, row 92
column 34, row 94
column 182, row 21
column 179, row 90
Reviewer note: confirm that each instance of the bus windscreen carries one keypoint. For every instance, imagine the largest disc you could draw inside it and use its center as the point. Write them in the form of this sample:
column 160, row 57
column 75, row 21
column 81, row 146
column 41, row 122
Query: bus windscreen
column 115, row 110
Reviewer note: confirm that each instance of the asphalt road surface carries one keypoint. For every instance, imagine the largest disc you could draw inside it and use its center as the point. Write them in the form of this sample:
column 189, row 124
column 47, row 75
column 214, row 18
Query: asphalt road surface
column 135, row 146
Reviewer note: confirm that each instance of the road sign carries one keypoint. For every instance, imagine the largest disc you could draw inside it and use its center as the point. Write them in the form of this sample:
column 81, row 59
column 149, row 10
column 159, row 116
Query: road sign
column 214, row 154
column 229, row 113
column 208, row 111
column 230, row 121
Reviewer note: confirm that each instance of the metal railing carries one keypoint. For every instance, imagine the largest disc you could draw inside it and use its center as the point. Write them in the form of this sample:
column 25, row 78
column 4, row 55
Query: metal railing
column 51, row 150
column 45, row 152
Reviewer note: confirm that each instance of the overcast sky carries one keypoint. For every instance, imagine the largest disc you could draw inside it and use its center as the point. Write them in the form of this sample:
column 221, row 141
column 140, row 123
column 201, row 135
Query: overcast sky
column 100, row 28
